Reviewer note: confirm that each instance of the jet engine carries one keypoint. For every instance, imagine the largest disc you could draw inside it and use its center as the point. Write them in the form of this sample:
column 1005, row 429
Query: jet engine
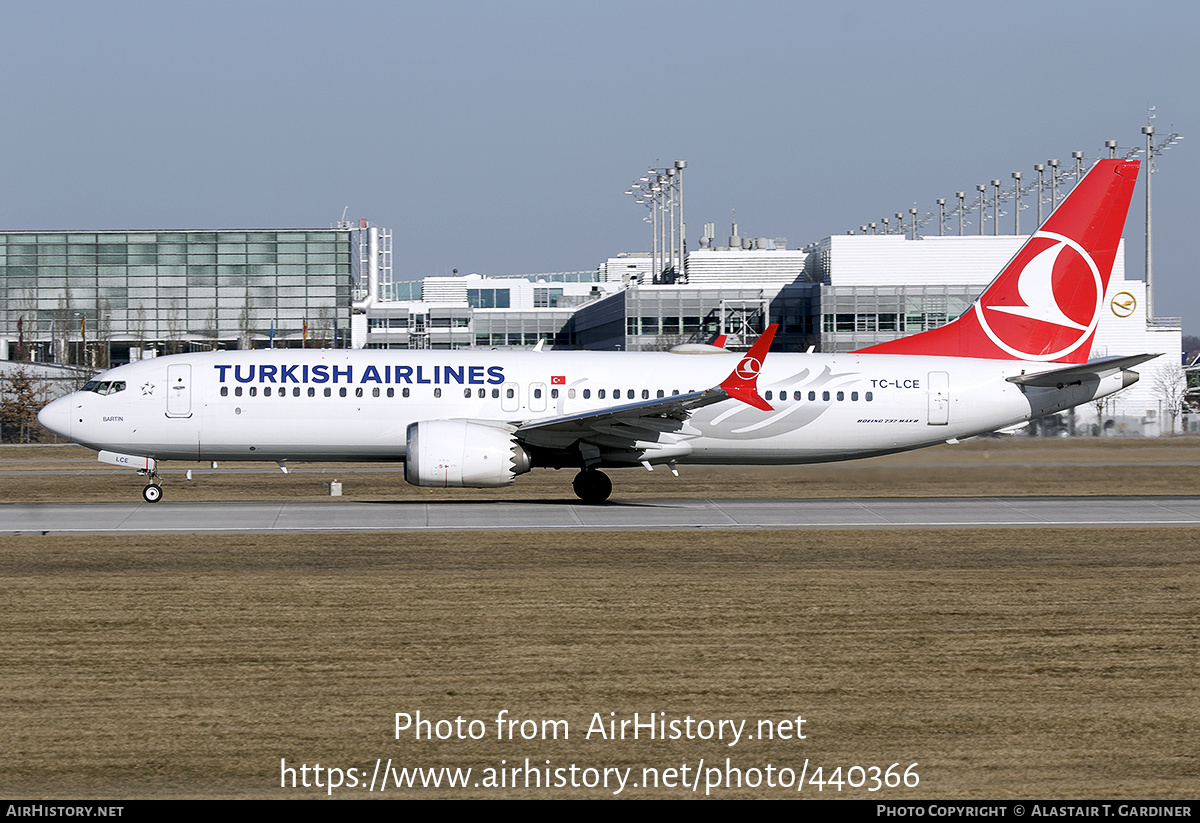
column 463, row 453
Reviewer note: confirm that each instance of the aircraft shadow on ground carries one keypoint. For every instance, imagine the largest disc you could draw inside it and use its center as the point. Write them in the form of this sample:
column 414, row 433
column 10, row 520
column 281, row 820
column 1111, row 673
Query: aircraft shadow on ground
column 611, row 504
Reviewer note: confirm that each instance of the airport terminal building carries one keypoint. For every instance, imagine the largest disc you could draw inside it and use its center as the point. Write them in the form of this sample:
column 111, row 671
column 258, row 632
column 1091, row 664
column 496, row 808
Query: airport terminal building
column 88, row 300
column 93, row 299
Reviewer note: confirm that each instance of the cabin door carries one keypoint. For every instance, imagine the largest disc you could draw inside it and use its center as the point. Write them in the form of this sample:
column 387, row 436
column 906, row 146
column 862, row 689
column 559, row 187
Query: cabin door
column 179, row 390
column 939, row 398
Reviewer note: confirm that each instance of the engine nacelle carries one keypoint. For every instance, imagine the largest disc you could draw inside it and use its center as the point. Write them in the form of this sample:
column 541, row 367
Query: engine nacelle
column 463, row 453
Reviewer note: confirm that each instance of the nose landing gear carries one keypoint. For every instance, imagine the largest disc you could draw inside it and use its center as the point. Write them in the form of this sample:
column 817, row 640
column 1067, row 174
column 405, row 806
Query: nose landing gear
column 152, row 493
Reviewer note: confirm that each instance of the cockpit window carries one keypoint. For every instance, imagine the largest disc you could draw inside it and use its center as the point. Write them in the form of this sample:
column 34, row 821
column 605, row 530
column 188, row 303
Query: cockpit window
column 104, row 386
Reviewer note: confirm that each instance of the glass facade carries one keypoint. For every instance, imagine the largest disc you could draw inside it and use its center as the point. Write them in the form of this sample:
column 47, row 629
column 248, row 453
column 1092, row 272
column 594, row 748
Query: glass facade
column 92, row 297
column 854, row 317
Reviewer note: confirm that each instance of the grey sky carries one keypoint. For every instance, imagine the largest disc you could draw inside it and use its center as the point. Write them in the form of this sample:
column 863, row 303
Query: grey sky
column 500, row 137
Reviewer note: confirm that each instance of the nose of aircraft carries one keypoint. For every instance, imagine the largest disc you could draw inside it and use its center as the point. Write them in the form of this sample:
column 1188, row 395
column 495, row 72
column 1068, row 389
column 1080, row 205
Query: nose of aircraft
column 56, row 417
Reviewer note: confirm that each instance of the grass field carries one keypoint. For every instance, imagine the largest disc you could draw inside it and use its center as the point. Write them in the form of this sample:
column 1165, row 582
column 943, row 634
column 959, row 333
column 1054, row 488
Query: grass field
column 1005, row 663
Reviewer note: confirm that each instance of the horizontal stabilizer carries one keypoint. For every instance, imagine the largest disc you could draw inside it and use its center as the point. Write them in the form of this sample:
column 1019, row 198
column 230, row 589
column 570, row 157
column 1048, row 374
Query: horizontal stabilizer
column 1057, row 378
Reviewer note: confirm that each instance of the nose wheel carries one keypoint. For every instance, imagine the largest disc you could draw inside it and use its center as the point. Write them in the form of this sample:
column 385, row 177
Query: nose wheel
column 153, row 491
column 592, row 486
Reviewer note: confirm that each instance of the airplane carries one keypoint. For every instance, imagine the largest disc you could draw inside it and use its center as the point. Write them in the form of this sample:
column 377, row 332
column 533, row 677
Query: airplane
column 480, row 418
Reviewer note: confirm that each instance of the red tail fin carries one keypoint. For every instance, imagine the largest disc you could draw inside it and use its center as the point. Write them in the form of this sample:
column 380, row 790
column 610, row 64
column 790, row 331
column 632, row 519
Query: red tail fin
column 1046, row 302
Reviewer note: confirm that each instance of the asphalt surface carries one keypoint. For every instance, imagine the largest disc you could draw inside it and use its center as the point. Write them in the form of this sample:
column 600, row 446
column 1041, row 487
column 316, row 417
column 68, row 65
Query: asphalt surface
column 856, row 513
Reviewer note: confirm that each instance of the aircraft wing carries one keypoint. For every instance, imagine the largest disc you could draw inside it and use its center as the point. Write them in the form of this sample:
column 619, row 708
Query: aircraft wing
column 1101, row 367
column 647, row 429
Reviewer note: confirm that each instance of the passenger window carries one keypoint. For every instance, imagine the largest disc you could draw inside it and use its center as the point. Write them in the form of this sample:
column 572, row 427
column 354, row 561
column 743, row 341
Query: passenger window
column 674, row 392
column 812, row 395
column 825, row 396
column 537, row 393
column 660, row 393
column 224, row 391
column 554, row 394
column 328, row 392
column 768, row 395
column 237, row 391
column 481, row 393
column 853, row 395
column 266, row 391
column 342, row 391
column 796, row 395
column 295, row 391
column 437, row 392
column 570, row 394
column 375, row 392
column 467, row 393
column 391, row 392
column 587, row 394
column 841, row 396
column 600, row 394
column 404, row 392
column 312, row 392
column 509, row 393
column 254, row 390
column 358, row 392
column 646, row 394
column 495, row 394
column 870, row 397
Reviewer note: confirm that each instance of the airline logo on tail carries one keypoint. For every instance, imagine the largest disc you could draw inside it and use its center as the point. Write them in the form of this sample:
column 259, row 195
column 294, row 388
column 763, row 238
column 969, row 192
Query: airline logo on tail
column 1045, row 304
column 1060, row 287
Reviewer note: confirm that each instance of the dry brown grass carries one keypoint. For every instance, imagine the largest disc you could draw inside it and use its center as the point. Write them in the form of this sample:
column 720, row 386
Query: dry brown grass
column 1007, row 663
column 1014, row 466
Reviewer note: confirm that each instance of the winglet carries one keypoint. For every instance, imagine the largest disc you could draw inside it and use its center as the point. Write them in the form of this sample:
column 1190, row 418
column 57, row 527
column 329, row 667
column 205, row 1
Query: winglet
column 742, row 382
column 719, row 342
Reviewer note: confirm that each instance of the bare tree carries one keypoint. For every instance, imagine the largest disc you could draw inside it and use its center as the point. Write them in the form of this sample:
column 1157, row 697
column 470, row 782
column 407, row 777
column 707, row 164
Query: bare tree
column 1170, row 387
column 21, row 397
column 246, row 323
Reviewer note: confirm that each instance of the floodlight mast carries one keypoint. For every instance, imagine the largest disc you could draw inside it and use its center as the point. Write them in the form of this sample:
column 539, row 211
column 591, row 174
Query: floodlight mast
column 1053, row 184
column 1040, row 168
column 1152, row 151
column 982, row 189
column 1016, row 175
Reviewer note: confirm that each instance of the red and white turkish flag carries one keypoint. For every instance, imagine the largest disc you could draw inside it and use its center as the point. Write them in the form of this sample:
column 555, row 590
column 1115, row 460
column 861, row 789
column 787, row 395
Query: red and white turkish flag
column 558, row 380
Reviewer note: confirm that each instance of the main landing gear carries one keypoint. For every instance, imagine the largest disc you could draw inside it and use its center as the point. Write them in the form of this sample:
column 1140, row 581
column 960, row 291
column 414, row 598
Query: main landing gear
column 592, row 486
column 153, row 491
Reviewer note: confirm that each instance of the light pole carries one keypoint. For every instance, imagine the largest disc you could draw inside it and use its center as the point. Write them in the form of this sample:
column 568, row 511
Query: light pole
column 1149, row 132
column 680, row 165
column 1016, row 175
column 995, row 208
column 962, row 207
column 941, row 201
column 1053, row 185
column 1040, row 168
column 982, row 189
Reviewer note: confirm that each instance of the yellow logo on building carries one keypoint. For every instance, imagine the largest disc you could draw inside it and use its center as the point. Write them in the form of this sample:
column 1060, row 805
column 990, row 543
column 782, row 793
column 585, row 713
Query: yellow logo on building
column 1123, row 303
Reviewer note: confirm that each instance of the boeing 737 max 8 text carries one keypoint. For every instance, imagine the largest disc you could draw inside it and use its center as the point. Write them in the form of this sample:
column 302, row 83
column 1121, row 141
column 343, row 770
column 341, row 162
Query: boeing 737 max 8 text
column 479, row 419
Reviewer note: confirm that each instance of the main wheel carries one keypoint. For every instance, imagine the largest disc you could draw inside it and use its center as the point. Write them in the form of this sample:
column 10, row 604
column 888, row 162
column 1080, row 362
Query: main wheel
column 592, row 486
column 152, row 493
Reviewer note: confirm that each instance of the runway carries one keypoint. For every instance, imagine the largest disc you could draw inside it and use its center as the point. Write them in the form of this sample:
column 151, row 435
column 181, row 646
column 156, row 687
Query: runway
column 833, row 513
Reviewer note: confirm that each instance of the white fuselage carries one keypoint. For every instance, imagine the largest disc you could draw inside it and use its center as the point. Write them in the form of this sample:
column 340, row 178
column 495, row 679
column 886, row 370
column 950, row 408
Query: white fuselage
column 324, row 405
